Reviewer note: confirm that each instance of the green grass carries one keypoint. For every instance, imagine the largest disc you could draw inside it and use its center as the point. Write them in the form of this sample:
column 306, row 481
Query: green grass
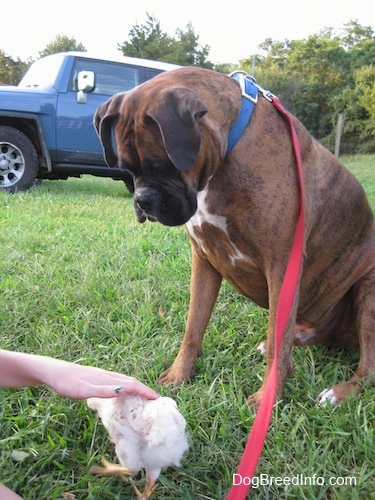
column 80, row 279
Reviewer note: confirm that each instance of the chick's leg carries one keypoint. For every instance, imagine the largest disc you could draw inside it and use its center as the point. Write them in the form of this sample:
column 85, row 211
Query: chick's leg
column 124, row 473
column 150, row 485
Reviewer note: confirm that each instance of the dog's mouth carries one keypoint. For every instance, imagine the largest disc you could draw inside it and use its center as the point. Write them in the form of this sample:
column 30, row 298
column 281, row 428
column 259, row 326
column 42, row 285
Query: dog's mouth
column 142, row 216
column 168, row 210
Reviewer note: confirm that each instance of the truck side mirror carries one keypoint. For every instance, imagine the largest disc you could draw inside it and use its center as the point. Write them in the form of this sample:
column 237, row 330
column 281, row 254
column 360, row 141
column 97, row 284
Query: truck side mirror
column 85, row 84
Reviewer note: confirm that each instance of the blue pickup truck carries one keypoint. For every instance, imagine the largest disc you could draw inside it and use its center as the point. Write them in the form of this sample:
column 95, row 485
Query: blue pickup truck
column 46, row 129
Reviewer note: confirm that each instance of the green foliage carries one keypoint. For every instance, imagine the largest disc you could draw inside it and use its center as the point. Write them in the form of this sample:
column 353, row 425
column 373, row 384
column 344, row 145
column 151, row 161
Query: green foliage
column 62, row 44
column 149, row 41
column 11, row 71
column 365, row 83
column 188, row 51
column 80, row 279
column 324, row 75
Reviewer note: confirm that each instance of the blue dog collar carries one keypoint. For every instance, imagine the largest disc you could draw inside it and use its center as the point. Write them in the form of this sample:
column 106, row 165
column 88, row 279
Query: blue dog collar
column 249, row 99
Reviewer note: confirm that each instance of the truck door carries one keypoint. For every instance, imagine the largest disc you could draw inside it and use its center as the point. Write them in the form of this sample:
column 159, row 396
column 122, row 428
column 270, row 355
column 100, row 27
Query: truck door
column 76, row 139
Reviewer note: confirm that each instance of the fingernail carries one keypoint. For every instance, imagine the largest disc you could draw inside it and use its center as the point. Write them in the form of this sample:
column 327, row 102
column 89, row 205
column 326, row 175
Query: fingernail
column 118, row 389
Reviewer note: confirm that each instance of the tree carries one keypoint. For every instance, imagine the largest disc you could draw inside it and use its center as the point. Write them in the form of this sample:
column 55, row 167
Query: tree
column 358, row 96
column 355, row 35
column 271, row 74
column 149, row 41
column 188, row 51
column 277, row 53
column 365, row 84
column 11, row 71
column 322, row 66
column 62, row 43
column 322, row 76
column 359, row 41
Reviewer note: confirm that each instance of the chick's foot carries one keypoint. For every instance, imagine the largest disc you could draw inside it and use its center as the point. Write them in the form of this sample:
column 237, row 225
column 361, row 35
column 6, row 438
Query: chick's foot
column 112, row 470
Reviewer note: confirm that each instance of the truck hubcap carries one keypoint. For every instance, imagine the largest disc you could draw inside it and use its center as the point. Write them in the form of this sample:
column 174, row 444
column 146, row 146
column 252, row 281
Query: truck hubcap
column 4, row 165
column 12, row 164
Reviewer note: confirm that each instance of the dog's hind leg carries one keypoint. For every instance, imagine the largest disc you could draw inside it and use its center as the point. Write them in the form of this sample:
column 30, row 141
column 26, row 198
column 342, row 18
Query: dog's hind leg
column 365, row 322
column 304, row 335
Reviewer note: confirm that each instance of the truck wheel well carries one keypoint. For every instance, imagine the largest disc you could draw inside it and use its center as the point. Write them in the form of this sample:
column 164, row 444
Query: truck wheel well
column 30, row 129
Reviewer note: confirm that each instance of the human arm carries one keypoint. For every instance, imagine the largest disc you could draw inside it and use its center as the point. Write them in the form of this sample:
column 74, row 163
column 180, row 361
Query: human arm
column 68, row 379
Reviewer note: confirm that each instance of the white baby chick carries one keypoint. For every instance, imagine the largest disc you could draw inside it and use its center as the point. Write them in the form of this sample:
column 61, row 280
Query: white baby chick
column 148, row 434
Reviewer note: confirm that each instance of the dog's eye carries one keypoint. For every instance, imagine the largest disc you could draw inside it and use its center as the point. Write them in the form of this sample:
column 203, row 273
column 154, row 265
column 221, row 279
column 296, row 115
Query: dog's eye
column 160, row 165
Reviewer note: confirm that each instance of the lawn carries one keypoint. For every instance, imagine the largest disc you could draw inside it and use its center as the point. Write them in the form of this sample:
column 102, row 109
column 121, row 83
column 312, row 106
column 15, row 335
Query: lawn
column 80, row 279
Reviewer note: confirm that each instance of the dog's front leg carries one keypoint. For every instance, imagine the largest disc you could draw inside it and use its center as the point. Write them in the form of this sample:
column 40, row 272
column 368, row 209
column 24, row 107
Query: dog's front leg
column 204, row 288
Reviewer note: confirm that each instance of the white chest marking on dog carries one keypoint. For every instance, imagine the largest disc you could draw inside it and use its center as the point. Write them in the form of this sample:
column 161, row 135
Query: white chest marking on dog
column 237, row 255
column 202, row 215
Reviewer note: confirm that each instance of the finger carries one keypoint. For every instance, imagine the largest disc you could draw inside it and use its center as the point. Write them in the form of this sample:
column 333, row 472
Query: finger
column 105, row 391
column 136, row 387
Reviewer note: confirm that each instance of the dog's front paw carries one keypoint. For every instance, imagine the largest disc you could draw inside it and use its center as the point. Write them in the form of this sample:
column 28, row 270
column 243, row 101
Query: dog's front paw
column 175, row 374
column 170, row 376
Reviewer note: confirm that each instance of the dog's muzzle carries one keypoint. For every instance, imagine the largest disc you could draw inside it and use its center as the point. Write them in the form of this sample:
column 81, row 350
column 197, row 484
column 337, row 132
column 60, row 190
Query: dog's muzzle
column 145, row 203
column 167, row 206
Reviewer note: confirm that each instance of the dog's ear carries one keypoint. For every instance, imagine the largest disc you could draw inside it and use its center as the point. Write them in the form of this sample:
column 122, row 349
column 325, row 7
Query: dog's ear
column 104, row 119
column 177, row 114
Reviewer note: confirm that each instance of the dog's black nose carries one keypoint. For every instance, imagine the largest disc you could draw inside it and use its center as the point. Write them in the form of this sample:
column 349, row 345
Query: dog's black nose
column 146, row 199
column 146, row 202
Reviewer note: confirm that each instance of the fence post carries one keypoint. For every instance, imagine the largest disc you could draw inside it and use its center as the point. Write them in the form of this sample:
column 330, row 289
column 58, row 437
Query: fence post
column 340, row 126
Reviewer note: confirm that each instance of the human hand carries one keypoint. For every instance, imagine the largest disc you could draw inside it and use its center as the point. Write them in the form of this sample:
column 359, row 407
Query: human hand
column 81, row 382
column 71, row 380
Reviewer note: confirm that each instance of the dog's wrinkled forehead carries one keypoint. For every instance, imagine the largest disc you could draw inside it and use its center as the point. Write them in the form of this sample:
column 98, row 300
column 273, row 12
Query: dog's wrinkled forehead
column 176, row 111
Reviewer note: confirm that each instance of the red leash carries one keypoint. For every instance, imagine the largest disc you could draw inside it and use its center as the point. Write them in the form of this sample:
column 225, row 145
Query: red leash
column 257, row 437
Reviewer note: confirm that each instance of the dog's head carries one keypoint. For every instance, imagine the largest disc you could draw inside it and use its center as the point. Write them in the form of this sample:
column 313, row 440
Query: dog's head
column 156, row 130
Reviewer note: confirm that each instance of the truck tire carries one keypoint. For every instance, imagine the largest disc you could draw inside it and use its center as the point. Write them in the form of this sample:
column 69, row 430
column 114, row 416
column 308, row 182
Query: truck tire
column 18, row 160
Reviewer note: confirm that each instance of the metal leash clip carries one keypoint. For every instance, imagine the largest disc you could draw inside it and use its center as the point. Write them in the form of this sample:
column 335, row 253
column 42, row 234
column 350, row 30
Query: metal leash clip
column 266, row 93
column 241, row 77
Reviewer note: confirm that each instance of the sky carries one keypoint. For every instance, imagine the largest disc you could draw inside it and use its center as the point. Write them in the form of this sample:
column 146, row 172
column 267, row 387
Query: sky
column 233, row 30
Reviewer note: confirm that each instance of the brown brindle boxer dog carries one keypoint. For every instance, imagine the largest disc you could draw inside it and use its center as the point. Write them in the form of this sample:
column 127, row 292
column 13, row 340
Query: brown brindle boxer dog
column 240, row 210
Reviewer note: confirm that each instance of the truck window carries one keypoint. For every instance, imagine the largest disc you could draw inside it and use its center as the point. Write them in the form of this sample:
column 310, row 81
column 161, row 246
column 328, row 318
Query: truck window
column 110, row 78
column 43, row 72
column 153, row 72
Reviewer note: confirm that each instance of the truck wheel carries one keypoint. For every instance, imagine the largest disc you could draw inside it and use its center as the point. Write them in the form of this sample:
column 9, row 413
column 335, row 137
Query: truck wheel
column 18, row 160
